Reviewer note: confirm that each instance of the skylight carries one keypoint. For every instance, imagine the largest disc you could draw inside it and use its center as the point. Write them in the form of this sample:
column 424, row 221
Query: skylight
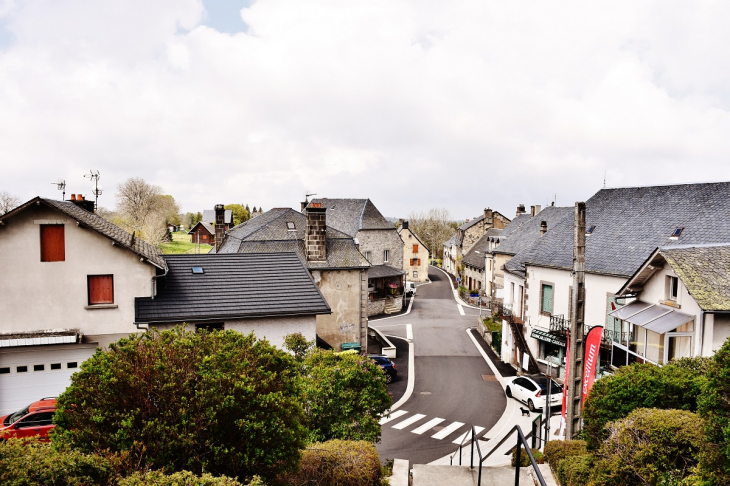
column 198, row 270
column 677, row 232
column 590, row 230
column 290, row 226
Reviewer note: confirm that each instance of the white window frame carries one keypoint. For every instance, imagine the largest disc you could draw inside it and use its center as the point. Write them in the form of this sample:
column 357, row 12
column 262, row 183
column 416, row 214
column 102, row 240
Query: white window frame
column 386, row 254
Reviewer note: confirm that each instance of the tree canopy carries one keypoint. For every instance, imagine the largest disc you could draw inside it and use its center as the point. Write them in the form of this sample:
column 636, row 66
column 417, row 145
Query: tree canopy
column 433, row 228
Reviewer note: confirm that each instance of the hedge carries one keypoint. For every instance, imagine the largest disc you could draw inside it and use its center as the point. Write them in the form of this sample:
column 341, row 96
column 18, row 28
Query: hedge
column 525, row 459
column 184, row 478
column 575, row 470
column 557, row 450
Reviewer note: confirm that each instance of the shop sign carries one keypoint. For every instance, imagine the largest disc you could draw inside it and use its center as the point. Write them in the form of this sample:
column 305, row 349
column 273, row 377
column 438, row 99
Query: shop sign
column 547, row 337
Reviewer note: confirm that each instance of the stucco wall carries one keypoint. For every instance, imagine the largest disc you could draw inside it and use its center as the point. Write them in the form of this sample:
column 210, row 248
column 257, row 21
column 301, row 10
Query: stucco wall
column 422, row 270
column 37, row 295
column 375, row 241
column 342, row 289
column 720, row 332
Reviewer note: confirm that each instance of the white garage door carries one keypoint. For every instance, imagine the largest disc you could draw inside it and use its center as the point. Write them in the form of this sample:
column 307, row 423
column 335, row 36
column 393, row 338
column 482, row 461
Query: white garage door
column 30, row 373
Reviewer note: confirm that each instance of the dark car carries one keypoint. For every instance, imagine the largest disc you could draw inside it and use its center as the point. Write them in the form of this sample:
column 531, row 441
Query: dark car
column 386, row 365
column 35, row 420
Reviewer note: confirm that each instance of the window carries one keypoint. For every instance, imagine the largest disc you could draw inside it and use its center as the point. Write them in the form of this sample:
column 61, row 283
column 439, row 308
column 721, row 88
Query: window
column 4, row 371
column 101, row 289
column 367, row 255
column 672, row 288
column 55, row 366
column 386, row 254
column 590, row 230
column 415, row 248
column 677, row 232
column 415, row 273
column 546, row 299
column 72, row 364
column 39, row 367
column 205, row 237
column 21, row 369
column 415, row 262
column 290, row 226
column 53, row 248
column 198, row 270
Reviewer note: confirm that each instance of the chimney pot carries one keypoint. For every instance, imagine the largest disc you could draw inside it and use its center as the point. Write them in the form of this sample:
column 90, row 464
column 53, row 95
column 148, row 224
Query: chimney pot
column 73, row 197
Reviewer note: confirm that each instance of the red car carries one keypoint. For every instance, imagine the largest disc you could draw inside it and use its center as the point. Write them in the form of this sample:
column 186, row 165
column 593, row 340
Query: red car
column 35, row 420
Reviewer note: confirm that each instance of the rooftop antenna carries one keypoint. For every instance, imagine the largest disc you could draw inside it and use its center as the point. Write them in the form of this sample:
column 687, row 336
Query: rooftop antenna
column 61, row 186
column 604, row 179
column 94, row 176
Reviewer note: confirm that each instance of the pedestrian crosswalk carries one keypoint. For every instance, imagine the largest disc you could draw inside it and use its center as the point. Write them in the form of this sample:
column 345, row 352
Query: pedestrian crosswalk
column 392, row 419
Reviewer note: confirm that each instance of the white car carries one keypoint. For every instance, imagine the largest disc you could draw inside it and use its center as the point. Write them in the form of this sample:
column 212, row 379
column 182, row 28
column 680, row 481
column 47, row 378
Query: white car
column 410, row 289
column 531, row 390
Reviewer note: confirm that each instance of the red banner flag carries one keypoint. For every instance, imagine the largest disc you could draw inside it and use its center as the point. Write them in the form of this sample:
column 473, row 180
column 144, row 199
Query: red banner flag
column 593, row 346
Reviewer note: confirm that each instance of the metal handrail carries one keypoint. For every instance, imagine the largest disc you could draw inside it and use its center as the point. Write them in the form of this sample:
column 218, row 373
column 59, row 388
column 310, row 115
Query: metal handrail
column 521, row 441
column 473, row 437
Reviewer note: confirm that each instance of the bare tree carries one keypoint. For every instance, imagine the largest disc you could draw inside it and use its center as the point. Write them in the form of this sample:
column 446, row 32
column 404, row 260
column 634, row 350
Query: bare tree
column 8, row 202
column 143, row 208
column 433, row 227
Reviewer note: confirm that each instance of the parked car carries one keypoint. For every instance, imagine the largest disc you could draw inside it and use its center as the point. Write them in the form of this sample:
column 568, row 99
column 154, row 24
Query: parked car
column 386, row 365
column 410, row 289
column 35, row 420
column 532, row 389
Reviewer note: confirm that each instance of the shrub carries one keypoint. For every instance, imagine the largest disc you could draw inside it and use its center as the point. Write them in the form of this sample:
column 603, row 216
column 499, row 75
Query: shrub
column 344, row 396
column 714, row 408
column 222, row 402
column 24, row 462
column 557, row 450
column 675, row 386
column 183, row 478
column 575, row 470
column 337, row 463
column 647, row 445
column 525, row 459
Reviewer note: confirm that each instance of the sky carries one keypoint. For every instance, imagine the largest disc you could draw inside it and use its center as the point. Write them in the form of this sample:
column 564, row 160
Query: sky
column 417, row 104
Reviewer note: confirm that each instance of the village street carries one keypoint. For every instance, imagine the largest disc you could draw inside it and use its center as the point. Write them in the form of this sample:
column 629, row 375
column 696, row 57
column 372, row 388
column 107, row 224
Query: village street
column 454, row 387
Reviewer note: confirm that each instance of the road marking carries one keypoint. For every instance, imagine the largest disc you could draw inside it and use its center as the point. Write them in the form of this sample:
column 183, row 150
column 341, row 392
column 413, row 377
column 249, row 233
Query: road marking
column 410, row 420
column 409, row 332
column 477, row 431
column 392, row 416
column 461, row 309
column 428, row 426
column 448, row 430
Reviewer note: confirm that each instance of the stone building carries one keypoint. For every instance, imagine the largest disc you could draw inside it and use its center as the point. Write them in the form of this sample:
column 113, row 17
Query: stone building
column 415, row 255
column 467, row 235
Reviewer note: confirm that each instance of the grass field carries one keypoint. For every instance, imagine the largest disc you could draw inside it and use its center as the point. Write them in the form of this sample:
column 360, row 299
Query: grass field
column 181, row 244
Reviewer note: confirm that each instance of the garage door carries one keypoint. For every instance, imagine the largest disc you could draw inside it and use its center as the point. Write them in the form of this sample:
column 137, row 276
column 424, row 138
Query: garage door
column 30, row 373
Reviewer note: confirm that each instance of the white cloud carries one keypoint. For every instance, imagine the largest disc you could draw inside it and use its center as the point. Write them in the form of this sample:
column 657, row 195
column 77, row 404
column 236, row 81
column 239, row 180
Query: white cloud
column 459, row 104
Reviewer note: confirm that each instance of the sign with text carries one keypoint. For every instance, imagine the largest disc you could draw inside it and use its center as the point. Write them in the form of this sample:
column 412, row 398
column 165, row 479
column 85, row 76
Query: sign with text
column 593, row 347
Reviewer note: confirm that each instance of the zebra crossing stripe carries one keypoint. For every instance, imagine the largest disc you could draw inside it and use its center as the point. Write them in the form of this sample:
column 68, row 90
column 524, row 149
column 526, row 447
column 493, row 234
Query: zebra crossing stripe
column 460, row 439
column 410, row 420
column 427, row 426
column 451, row 428
column 392, row 416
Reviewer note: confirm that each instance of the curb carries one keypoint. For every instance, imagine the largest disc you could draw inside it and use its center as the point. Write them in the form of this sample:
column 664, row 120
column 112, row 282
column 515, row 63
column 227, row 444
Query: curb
column 453, row 290
column 411, row 376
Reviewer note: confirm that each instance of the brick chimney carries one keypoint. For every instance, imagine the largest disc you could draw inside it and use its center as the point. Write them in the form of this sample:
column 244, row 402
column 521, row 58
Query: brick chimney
column 520, row 209
column 315, row 238
column 543, row 227
column 220, row 226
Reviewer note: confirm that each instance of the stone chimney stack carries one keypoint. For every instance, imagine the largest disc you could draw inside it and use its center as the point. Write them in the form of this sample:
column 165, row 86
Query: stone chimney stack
column 220, row 226
column 488, row 218
column 534, row 210
column 520, row 209
column 315, row 238
column 543, row 227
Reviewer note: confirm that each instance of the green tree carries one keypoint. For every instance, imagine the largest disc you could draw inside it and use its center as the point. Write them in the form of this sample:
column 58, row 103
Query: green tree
column 344, row 393
column 220, row 402
column 714, row 408
column 239, row 213
column 198, row 218
column 639, row 386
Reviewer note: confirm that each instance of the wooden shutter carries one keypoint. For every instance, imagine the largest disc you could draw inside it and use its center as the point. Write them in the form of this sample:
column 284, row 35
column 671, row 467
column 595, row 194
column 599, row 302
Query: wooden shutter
column 415, row 248
column 101, row 289
column 53, row 248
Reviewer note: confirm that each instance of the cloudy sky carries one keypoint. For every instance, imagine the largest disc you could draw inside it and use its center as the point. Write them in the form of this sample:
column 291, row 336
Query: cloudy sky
column 415, row 104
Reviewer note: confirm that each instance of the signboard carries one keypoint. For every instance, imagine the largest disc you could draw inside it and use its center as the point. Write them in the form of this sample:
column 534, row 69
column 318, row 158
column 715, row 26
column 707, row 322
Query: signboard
column 547, row 337
column 525, row 361
column 593, row 346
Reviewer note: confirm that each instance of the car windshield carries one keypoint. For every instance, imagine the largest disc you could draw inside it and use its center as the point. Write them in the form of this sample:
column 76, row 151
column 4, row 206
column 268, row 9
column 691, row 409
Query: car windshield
column 542, row 383
column 17, row 415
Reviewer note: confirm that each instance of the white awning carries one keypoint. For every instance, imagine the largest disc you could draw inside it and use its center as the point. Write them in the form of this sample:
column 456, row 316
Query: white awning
column 652, row 317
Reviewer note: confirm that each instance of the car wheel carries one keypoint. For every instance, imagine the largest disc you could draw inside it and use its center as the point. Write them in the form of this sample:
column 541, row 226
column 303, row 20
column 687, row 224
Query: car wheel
column 531, row 406
column 508, row 392
column 388, row 378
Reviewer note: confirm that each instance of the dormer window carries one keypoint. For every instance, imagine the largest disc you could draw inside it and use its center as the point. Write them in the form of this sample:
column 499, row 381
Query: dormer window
column 590, row 230
column 290, row 226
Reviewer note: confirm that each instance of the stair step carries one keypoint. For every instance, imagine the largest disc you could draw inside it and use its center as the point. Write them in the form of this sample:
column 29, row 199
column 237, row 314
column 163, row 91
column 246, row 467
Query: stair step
column 427, row 475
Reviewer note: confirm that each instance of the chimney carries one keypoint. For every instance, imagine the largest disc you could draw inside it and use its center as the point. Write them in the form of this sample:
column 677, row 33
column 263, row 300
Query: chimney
column 73, row 197
column 304, row 204
column 404, row 224
column 520, row 209
column 315, row 238
column 488, row 219
column 534, row 210
column 543, row 227
column 220, row 227
column 78, row 199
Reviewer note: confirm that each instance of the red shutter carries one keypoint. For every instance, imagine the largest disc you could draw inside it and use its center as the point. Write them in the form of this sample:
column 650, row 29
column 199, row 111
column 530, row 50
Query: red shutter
column 415, row 248
column 101, row 289
column 53, row 248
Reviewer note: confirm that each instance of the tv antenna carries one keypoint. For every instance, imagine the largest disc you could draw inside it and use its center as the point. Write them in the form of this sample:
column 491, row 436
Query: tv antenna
column 94, row 176
column 61, row 186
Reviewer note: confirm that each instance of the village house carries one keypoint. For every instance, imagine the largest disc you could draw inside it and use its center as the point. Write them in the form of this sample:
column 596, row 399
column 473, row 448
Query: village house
column 477, row 266
column 415, row 255
column 203, row 232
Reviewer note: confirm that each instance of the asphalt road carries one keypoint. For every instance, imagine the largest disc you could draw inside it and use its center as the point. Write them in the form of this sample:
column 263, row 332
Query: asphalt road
column 452, row 381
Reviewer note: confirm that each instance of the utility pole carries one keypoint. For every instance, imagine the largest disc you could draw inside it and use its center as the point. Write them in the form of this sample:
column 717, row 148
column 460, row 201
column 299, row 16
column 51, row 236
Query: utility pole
column 575, row 365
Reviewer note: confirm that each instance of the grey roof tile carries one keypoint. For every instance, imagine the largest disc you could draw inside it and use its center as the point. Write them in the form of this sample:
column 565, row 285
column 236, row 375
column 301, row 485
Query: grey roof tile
column 353, row 215
column 705, row 271
column 475, row 256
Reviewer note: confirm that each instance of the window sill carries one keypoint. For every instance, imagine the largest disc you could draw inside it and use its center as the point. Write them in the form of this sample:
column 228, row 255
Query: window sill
column 100, row 306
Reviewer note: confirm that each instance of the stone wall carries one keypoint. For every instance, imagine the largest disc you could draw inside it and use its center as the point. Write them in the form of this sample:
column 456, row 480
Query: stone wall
column 315, row 238
column 342, row 289
column 408, row 255
column 375, row 241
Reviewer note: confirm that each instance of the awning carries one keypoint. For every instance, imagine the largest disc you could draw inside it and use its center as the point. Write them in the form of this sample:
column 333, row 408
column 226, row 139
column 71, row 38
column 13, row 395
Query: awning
column 652, row 317
column 380, row 271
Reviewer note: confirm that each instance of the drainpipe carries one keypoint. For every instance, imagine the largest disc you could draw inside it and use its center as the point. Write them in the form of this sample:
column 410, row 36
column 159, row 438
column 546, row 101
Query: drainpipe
column 152, row 282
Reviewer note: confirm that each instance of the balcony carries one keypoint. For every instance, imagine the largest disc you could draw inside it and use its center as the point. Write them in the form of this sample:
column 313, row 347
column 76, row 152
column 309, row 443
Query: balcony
column 560, row 326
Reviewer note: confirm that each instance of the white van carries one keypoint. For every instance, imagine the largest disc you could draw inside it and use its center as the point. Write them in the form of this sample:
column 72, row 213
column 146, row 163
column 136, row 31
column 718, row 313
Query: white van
column 410, row 289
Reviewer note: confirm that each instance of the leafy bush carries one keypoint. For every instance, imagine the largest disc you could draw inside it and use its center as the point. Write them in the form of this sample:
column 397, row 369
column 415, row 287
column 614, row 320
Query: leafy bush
column 675, row 386
column 344, row 396
column 24, row 462
column 337, row 463
column 557, row 450
column 525, row 459
column 222, row 402
column 575, row 470
column 714, row 408
column 184, row 478
column 647, row 445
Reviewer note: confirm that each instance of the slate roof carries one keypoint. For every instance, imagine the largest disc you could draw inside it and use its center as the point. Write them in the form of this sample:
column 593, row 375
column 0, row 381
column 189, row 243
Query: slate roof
column 209, row 227
column 233, row 286
column 513, row 226
column 454, row 240
column 632, row 222
column 528, row 233
column 100, row 225
column 476, row 220
column 269, row 232
column 209, row 216
column 379, row 271
column 705, row 271
column 474, row 259
column 353, row 215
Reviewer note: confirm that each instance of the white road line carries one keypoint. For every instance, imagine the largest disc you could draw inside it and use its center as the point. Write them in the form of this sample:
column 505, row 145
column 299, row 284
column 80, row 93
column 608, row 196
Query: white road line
column 392, row 416
column 461, row 309
column 410, row 420
column 409, row 332
column 461, row 438
column 427, row 426
column 450, row 429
